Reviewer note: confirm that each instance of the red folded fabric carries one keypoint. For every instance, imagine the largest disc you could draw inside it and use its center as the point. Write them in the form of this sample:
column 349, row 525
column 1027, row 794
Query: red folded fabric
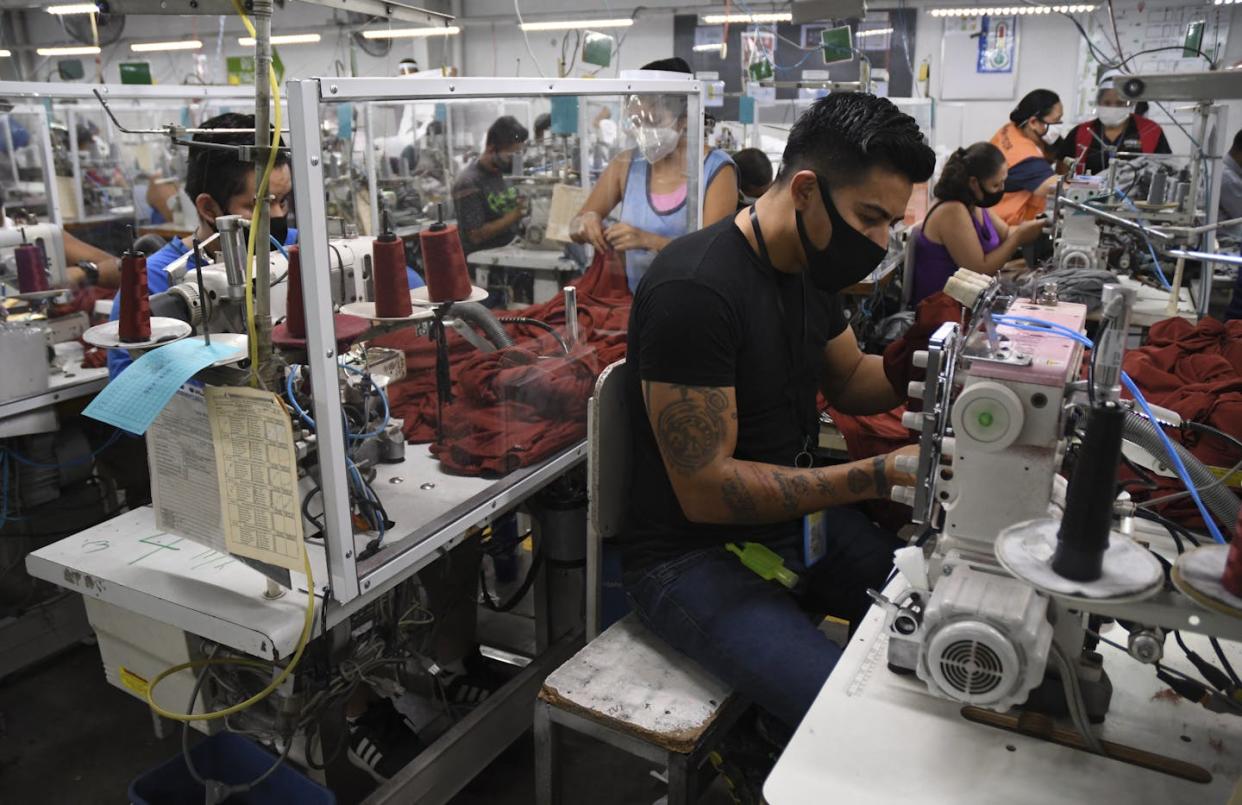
column 1195, row 370
column 932, row 312
column 517, row 406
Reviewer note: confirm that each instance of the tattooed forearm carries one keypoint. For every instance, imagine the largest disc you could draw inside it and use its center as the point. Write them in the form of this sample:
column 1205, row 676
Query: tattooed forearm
column 879, row 476
column 788, row 487
column 738, row 498
column 692, row 428
column 858, row 480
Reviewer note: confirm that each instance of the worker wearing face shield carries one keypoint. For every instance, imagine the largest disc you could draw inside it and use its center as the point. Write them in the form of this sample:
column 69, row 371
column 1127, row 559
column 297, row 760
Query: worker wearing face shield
column 1116, row 126
column 649, row 181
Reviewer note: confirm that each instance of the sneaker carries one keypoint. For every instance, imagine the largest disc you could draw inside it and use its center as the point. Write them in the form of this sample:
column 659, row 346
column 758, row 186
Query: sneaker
column 382, row 741
column 472, row 686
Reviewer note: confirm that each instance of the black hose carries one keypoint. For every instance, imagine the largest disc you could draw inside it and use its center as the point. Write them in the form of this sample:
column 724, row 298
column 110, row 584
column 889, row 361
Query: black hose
column 537, row 323
column 521, row 592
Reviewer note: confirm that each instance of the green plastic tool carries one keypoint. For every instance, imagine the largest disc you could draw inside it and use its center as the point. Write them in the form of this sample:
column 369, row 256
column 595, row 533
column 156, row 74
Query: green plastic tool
column 764, row 562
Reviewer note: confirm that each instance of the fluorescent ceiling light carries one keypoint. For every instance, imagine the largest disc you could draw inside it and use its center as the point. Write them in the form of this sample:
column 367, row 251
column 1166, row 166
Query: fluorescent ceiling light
column 156, row 47
column 1009, row 11
column 410, row 33
column 702, row 48
column 73, row 8
column 1227, row 2
column 570, row 25
column 282, row 39
column 73, row 50
column 720, row 19
column 4, row 54
column 873, row 32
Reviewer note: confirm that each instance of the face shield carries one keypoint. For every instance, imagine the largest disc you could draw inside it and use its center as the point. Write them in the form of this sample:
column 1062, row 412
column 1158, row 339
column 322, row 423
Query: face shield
column 656, row 126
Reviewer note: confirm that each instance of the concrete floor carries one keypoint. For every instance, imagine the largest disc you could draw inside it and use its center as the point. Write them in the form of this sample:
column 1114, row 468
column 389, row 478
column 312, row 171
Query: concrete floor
column 67, row 736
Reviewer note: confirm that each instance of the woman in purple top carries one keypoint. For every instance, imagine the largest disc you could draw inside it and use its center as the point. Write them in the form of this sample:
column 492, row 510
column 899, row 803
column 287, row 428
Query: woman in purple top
column 959, row 230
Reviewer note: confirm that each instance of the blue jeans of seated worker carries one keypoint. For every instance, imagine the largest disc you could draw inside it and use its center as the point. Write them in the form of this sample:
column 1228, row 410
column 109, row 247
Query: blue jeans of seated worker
column 755, row 635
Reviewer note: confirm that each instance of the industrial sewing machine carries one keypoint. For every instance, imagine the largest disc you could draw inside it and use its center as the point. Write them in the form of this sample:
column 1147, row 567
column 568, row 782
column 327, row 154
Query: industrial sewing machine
column 1020, row 565
column 1150, row 215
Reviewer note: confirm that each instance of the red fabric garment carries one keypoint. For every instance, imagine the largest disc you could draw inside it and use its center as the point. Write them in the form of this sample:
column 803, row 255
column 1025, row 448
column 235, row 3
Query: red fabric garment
column 518, row 406
column 1195, row 370
column 83, row 301
column 932, row 312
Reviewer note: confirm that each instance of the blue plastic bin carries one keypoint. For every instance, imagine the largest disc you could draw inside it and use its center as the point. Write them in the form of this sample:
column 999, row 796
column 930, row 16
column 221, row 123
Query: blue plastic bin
column 230, row 758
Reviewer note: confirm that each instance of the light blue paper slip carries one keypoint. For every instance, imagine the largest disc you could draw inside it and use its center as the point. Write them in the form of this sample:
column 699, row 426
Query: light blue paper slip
column 135, row 398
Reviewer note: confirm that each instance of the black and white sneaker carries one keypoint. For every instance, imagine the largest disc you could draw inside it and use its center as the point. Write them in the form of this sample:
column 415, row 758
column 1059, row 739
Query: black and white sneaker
column 382, row 741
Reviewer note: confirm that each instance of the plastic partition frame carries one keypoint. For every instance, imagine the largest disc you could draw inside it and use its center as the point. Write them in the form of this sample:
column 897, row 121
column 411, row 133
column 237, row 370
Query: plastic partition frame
column 306, row 97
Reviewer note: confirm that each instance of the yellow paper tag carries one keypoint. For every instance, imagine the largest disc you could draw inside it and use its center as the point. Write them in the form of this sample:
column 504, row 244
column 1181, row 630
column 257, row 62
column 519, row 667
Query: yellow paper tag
column 134, row 682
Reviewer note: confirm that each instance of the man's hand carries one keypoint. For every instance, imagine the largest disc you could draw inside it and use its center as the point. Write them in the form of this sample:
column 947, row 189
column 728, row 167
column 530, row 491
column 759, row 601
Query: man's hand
column 623, row 237
column 587, row 228
column 516, row 214
column 894, row 476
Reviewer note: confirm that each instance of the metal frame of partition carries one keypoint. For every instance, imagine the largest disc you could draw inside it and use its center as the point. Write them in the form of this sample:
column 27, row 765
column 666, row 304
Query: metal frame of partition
column 306, row 97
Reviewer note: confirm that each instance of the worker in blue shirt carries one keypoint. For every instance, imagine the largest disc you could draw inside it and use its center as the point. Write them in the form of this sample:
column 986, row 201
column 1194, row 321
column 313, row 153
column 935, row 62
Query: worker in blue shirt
column 221, row 184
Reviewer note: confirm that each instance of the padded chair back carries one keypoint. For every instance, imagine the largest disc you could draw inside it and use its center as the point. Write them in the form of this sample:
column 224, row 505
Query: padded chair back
column 609, row 456
column 907, row 272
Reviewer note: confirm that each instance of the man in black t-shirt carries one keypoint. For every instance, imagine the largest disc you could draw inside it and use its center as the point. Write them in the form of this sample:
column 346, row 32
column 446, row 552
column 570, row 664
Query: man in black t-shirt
column 732, row 332
column 488, row 208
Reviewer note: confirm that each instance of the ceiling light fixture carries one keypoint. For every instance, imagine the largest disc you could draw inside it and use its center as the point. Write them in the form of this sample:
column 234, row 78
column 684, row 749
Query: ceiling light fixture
column 156, row 47
column 721, row 19
column 71, row 50
column 570, row 25
column 410, row 33
column 282, row 39
column 1010, row 11
column 704, row 48
column 873, row 32
column 73, row 8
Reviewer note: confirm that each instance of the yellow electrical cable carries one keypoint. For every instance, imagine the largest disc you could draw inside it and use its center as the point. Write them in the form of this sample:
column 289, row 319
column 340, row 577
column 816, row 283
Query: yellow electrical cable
column 308, row 622
column 307, row 626
column 260, row 198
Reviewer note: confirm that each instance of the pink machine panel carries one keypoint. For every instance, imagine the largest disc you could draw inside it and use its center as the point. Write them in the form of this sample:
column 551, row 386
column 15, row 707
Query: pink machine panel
column 1055, row 360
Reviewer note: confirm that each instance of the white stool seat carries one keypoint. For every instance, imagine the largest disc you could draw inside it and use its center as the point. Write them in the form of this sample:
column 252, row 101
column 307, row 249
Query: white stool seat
column 630, row 680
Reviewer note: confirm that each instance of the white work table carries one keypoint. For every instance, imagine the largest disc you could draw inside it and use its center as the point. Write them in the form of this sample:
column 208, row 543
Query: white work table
column 873, row 736
column 130, row 563
column 517, row 256
column 1151, row 304
column 67, row 385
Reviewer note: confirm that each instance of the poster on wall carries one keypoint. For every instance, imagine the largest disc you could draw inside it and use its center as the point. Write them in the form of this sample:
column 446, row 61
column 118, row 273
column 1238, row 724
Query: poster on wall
column 759, row 54
column 998, row 42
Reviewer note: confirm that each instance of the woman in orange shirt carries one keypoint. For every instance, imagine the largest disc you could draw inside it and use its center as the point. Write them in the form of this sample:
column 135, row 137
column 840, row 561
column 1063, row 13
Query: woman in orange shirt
column 1026, row 141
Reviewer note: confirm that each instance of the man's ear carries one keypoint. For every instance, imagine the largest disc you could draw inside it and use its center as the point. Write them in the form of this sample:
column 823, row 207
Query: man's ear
column 803, row 187
column 207, row 208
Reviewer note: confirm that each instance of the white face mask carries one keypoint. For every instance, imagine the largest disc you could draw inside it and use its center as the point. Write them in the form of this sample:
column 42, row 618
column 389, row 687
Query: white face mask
column 1112, row 115
column 656, row 142
column 1052, row 134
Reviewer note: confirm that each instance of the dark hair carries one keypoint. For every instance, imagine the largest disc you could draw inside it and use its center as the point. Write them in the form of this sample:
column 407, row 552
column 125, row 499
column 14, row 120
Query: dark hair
column 219, row 173
column 1036, row 103
column 674, row 65
column 980, row 160
column 754, row 169
column 506, row 131
column 542, row 124
column 1237, row 141
column 846, row 134
column 1141, row 108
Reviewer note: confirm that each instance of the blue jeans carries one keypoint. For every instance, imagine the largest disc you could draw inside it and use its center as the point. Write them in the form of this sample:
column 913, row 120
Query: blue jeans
column 755, row 635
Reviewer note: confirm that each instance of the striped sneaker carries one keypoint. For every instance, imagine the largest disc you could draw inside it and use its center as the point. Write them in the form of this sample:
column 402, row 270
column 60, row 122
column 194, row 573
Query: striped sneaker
column 382, row 741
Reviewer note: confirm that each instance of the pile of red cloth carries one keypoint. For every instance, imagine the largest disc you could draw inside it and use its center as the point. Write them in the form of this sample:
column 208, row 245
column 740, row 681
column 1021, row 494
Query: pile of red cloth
column 1195, row 370
column 517, row 406
column 83, row 301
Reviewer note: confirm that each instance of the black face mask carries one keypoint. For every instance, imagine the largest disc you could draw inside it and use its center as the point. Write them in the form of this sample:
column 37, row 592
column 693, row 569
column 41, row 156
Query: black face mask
column 990, row 199
column 280, row 230
column 849, row 256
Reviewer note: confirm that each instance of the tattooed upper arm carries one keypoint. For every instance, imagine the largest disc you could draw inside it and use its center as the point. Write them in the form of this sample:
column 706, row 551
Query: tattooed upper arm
column 694, row 426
